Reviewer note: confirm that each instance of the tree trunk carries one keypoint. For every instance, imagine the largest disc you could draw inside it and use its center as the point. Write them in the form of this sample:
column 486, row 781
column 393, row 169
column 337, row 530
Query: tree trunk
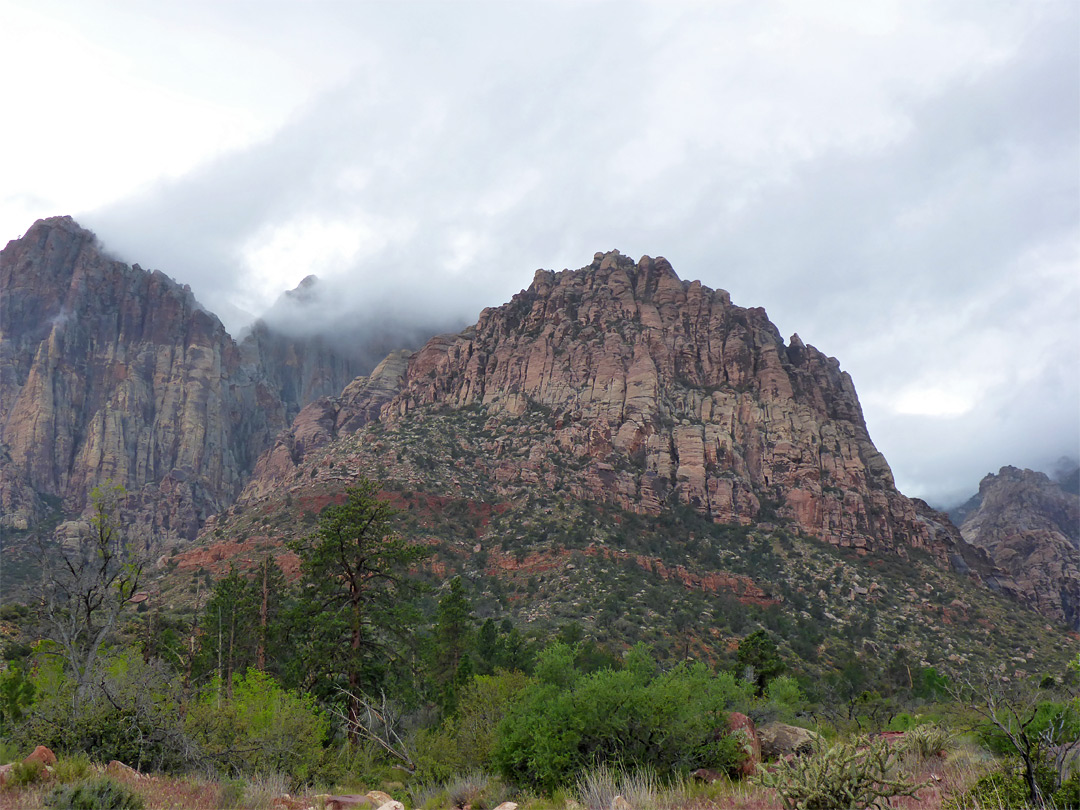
column 260, row 655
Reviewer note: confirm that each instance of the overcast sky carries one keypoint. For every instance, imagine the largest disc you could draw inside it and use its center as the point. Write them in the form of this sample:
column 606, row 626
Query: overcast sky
column 898, row 182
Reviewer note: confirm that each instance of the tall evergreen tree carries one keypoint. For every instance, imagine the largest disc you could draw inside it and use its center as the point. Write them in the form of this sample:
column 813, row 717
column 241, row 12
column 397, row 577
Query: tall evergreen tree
column 354, row 595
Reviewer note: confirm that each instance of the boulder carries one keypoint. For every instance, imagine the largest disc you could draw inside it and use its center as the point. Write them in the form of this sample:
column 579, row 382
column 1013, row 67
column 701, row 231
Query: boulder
column 379, row 797
column 743, row 726
column 392, row 805
column 780, row 739
column 118, row 768
column 5, row 772
column 619, row 803
column 507, row 806
column 343, row 801
column 43, row 755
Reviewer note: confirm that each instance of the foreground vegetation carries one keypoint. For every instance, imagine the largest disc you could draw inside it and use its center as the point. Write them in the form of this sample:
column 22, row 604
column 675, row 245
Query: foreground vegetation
column 358, row 676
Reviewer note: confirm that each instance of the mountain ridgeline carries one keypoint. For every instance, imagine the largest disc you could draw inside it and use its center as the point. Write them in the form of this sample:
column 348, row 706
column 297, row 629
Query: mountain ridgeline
column 610, row 413
column 664, row 392
column 1030, row 527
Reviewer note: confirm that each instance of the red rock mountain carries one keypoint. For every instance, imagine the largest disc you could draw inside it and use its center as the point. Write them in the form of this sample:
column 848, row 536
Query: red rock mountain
column 112, row 373
column 1030, row 527
column 661, row 392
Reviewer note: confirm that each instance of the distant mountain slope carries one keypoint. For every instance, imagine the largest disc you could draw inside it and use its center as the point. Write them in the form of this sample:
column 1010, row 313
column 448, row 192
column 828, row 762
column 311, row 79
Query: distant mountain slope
column 113, row 373
column 1030, row 527
column 623, row 449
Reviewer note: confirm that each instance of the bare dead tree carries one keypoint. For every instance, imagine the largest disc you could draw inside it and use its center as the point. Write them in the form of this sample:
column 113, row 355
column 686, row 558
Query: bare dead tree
column 1012, row 707
column 85, row 588
column 378, row 722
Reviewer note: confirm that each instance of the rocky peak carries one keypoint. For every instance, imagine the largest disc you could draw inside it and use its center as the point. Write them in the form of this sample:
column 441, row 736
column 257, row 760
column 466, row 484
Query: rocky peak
column 113, row 373
column 1030, row 527
column 661, row 392
column 116, row 373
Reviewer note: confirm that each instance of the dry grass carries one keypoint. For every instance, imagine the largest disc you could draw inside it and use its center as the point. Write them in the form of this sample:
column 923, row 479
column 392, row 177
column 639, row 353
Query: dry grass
column 174, row 793
column 948, row 776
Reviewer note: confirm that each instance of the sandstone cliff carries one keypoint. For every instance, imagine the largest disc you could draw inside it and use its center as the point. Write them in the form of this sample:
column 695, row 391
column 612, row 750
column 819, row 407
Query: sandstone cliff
column 658, row 392
column 112, row 373
column 1030, row 527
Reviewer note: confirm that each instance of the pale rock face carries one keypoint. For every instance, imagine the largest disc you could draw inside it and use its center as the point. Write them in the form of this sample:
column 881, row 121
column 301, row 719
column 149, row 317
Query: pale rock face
column 112, row 373
column 1030, row 527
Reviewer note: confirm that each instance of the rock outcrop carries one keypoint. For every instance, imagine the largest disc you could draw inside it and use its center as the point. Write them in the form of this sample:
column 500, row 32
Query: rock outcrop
column 1030, row 527
column 113, row 373
column 663, row 391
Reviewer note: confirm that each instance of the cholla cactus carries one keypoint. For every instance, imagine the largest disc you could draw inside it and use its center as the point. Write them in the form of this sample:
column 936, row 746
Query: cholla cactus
column 850, row 775
column 926, row 740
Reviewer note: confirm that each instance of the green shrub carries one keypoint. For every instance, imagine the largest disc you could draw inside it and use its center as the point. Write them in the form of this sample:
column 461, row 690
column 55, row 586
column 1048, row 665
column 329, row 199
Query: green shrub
column 566, row 721
column 261, row 727
column 101, row 793
column 9, row 752
column 1068, row 795
column 926, row 740
column 1006, row 786
column 72, row 768
column 850, row 775
column 231, row 793
column 785, row 698
column 132, row 713
column 27, row 773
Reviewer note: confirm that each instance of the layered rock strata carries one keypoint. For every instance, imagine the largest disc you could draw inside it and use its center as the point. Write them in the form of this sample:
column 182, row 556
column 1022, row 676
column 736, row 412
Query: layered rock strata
column 662, row 391
column 1030, row 527
column 113, row 373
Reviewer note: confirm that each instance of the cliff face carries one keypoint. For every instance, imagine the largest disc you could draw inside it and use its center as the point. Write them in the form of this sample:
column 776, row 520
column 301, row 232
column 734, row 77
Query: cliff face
column 1030, row 527
column 659, row 392
column 112, row 373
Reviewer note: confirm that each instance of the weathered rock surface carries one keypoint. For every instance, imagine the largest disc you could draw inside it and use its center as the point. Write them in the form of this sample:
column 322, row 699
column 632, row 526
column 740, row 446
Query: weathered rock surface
column 112, row 373
column 43, row 755
column 780, row 739
column 739, row 723
column 664, row 390
column 1030, row 527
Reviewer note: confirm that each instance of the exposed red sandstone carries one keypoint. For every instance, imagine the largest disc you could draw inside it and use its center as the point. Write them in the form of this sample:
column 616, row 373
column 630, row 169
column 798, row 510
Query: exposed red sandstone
column 665, row 390
column 1030, row 527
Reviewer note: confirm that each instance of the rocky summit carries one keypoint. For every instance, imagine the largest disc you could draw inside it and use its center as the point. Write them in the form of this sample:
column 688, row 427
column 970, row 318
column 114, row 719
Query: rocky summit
column 111, row 373
column 661, row 392
column 621, row 448
column 616, row 386
column 1030, row 527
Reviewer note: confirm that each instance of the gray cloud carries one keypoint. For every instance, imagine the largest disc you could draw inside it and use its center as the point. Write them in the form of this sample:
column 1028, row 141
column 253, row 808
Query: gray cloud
column 898, row 186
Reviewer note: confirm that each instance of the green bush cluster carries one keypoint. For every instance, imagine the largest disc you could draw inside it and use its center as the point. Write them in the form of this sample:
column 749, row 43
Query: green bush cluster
column 132, row 714
column 1005, row 786
column 27, row 773
column 566, row 720
column 257, row 726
